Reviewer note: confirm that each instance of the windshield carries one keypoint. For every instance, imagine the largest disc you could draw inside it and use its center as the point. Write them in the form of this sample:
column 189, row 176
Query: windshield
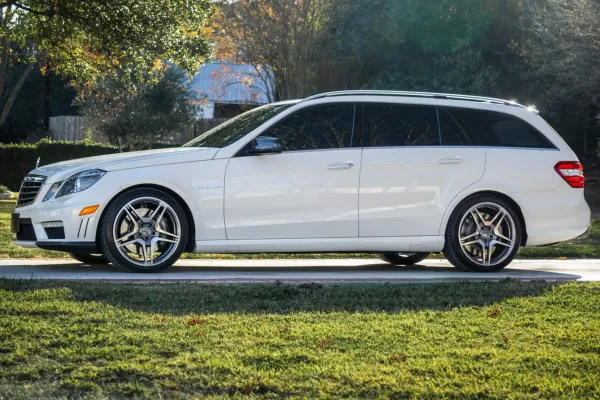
column 236, row 128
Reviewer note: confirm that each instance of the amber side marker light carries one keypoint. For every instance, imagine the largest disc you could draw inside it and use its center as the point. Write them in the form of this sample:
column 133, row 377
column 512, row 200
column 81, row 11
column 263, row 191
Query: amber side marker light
column 89, row 210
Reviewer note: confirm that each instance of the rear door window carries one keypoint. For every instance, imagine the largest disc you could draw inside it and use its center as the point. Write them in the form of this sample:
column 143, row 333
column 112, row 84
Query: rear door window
column 399, row 125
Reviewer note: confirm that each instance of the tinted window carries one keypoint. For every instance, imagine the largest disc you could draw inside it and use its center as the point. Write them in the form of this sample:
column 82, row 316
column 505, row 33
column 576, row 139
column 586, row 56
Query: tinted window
column 314, row 128
column 402, row 125
column 238, row 127
column 452, row 133
column 500, row 130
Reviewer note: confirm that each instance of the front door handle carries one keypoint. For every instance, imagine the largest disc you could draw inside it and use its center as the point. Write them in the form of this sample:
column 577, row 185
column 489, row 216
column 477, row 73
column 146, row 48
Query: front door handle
column 345, row 165
column 451, row 160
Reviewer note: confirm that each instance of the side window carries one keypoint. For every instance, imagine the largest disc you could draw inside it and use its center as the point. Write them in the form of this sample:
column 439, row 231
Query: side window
column 403, row 125
column 451, row 132
column 321, row 127
column 499, row 130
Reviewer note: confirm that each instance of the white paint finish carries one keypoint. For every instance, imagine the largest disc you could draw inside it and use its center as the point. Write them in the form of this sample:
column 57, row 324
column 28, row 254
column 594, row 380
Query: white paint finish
column 122, row 161
column 343, row 270
column 200, row 184
column 407, row 196
column 555, row 215
column 523, row 170
column 368, row 245
column 293, row 195
column 405, row 191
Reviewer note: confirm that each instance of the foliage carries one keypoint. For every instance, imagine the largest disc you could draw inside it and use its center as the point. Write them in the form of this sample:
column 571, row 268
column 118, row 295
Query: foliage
column 505, row 339
column 278, row 37
column 16, row 160
column 88, row 40
column 3, row 189
column 155, row 110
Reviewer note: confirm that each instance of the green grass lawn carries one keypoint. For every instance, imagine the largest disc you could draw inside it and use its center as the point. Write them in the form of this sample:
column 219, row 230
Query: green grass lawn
column 509, row 339
column 583, row 248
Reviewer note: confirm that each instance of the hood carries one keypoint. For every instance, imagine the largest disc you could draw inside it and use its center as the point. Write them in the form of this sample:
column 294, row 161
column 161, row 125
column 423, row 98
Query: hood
column 115, row 162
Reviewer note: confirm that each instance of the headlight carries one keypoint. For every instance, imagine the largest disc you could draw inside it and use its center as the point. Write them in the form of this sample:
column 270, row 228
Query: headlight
column 79, row 182
column 52, row 191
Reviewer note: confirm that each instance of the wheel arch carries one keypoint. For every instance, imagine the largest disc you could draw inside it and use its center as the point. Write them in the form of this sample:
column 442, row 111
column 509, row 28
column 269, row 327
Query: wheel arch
column 191, row 244
column 458, row 201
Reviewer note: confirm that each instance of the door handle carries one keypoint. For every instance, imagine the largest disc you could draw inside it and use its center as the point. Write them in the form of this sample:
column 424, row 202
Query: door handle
column 346, row 165
column 451, row 160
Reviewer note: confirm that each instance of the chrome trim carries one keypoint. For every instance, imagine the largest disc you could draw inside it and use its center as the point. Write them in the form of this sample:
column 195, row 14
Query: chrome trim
column 443, row 96
column 30, row 188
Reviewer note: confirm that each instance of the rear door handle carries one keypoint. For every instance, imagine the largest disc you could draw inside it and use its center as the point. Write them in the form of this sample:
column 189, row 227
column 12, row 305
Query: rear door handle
column 451, row 160
column 345, row 165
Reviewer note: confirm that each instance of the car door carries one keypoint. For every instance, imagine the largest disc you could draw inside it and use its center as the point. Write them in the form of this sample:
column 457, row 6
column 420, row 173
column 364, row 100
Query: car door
column 310, row 190
column 416, row 161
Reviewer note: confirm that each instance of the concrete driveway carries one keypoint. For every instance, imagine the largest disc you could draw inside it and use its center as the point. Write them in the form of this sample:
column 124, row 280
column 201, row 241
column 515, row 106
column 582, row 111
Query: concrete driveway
column 346, row 270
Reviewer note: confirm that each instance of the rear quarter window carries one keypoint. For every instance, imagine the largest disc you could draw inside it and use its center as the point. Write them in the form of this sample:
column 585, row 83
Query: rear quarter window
column 499, row 130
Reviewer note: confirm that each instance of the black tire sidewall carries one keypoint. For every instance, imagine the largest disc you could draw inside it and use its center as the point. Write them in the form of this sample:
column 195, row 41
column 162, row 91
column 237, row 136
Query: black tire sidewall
column 107, row 242
column 452, row 248
column 91, row 259
column 395, row 259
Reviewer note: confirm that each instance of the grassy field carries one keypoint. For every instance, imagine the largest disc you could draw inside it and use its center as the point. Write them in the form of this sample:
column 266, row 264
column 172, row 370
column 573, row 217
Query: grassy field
column 457, row 340
column 584, row 248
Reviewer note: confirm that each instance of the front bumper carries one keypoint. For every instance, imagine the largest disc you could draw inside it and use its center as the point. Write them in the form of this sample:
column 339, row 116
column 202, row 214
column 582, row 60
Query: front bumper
column 57, row 225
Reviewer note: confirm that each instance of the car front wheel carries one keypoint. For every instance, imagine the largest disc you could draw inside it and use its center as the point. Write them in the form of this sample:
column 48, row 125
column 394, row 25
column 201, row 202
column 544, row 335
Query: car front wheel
column 403, row 258
column 144, row 230
column 483, row 234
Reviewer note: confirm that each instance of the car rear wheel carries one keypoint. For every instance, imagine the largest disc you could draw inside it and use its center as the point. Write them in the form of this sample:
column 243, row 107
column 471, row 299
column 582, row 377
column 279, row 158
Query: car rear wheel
column 144, row 230
column 91, row 259
column 403, row 258
column 483, row 234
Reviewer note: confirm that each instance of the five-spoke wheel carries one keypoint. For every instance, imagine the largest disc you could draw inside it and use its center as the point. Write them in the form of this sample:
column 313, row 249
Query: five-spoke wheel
column 144, row 230
column 483, row 234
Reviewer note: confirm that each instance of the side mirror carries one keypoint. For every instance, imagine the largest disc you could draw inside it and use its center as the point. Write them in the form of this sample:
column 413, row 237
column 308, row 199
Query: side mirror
column 265, row 145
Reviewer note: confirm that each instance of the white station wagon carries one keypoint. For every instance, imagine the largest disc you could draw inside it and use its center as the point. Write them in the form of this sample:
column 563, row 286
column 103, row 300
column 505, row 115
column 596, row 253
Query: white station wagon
column 398, row 174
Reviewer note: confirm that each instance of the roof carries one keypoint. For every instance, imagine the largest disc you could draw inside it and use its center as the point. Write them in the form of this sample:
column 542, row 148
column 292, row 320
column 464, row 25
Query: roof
column 231, row 83
column 446, row 96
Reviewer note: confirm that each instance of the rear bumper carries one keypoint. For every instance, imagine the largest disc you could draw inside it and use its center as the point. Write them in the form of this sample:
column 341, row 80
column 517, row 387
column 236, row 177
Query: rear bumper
column 554, row 216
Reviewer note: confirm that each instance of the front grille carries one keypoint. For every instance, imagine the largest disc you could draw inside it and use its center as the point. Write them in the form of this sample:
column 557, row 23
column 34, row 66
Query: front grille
column 29, row 189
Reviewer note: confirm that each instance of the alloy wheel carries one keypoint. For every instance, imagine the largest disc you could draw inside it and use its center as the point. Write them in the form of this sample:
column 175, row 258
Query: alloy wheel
column 487, row 234
column 147, row 231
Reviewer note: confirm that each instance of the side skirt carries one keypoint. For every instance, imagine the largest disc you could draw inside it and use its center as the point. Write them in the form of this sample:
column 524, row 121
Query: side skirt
column 331, row 245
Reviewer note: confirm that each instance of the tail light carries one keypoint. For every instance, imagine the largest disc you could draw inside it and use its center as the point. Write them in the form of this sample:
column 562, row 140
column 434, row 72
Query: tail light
column 571, row 172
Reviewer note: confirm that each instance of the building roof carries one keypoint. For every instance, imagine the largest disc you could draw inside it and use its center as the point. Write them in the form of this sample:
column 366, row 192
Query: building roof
column 222, row 82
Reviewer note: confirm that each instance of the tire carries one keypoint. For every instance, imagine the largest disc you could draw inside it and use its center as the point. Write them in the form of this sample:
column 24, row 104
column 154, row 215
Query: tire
column 491, row 233
column 403, row 258
column 90, row 259
column 143, row 230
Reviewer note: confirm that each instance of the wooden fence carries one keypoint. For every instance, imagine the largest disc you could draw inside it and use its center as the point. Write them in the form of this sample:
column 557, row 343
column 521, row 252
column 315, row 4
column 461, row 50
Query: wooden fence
column 75, row 128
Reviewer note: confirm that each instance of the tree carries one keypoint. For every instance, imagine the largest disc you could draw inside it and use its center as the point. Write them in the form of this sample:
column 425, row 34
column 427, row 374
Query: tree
column 90, row 40
column 562, row 52
column 278, row 37
column 158, row 108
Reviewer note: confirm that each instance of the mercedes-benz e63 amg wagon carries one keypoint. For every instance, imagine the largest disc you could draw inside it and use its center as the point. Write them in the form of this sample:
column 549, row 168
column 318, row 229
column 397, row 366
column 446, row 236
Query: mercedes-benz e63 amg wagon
column 398, row 174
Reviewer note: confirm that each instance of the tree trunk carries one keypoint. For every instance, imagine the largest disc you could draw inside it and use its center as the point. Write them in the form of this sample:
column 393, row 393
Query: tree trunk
column 15, row 93
column 47, row 91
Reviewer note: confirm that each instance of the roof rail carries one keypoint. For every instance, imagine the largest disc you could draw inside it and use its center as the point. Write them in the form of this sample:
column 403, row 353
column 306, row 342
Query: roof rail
column 416, row 94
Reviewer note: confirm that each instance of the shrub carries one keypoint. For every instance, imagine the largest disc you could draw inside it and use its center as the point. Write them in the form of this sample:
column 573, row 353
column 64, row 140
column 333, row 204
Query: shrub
column 3, row 189
column 16, row 160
